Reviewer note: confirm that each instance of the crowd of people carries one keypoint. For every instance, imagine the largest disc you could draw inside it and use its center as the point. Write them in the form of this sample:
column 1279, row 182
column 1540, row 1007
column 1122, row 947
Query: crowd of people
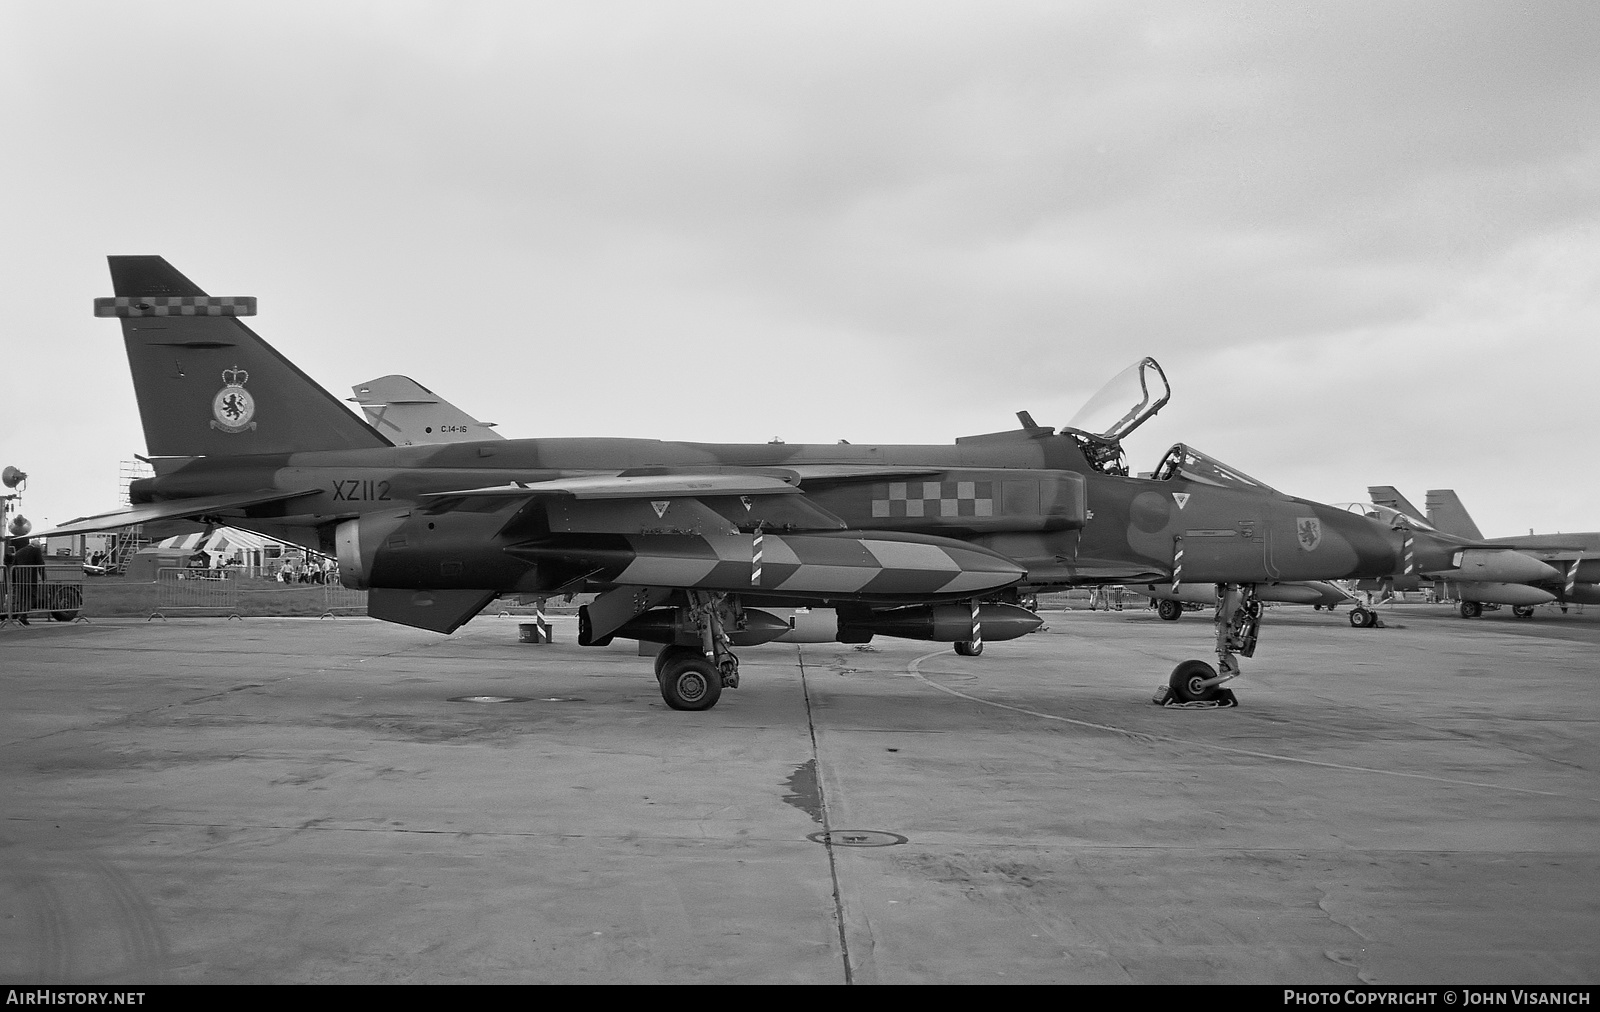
column 314, row 571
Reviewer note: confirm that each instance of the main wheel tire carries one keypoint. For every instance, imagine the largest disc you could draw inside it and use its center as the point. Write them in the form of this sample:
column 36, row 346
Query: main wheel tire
column 691, row 683
column 967, row 648
column 1185, row 680
column 672, row 652
column 1471, row 609
column 1170, row 611
column 1363, row 618
column 1523, row 611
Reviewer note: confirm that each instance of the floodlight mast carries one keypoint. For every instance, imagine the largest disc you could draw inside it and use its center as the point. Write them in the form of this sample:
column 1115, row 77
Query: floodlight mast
column 11, row 477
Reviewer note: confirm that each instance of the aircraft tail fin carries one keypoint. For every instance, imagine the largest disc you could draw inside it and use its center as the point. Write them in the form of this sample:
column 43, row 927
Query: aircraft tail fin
column 1388, row 495
column 206, row 383
column 1446, row 513
column 408, row 412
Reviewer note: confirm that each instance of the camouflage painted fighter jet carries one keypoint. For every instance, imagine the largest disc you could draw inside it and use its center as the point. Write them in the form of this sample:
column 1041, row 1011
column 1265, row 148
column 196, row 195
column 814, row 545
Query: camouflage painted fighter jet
column 686, row 544
column 1523, row 571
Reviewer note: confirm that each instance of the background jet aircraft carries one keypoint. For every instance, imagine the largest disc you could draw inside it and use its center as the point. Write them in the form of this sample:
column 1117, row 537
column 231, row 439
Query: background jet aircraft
column 685, row 542
column 1462, row 566
column 409, row 413
column 1169, row 602
column 1574, row 557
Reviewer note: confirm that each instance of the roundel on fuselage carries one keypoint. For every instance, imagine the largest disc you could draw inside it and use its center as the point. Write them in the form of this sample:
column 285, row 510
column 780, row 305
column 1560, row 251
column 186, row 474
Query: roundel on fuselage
column 1150, row 511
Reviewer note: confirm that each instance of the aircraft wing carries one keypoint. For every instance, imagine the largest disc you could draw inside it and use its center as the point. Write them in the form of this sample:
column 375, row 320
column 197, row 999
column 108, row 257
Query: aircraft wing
column 174, row 510
column 639, row 486
column 825, row 472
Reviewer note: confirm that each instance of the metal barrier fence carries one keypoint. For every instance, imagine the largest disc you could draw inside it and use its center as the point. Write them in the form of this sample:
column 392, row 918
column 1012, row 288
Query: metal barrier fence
column 196, row 590
column 38, row 590
column 235, row 595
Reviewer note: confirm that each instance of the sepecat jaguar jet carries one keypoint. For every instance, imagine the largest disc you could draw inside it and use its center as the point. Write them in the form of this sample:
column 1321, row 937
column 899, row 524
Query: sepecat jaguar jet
column 688, row 544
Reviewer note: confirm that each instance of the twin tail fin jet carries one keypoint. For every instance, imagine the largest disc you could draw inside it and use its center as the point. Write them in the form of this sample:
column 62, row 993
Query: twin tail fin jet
column 690, row 544
column 1449, row 552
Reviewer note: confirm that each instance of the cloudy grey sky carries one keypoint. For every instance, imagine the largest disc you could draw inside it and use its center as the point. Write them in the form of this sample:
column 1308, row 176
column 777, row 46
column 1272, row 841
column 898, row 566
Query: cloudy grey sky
column 1363, row 239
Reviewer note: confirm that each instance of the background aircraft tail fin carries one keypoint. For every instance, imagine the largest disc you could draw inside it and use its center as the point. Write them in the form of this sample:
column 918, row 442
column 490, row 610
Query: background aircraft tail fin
column 1388, row 495
column 1446, row 513
column 206, row 383
column 407, row 412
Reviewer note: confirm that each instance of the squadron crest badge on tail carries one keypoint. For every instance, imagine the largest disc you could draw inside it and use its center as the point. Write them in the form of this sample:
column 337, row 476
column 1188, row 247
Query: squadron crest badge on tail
column 1309, row 531
column 233, row 408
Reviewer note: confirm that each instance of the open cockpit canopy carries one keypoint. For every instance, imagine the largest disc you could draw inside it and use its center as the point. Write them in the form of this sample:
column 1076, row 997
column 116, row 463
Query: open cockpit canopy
column 1122, row 405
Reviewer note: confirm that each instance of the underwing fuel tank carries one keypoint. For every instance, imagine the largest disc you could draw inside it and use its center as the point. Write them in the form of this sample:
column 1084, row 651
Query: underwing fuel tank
column 1498, row 565
column 940, row 623
column 1310, row 592
column 1496, row 593
column 671, row 625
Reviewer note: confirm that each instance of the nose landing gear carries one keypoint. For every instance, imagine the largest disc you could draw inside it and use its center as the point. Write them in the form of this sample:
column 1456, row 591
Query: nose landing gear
column 1238, row 624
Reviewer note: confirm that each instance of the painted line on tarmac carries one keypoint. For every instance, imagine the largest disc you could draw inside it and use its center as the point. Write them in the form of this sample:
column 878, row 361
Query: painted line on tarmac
column 914, row 670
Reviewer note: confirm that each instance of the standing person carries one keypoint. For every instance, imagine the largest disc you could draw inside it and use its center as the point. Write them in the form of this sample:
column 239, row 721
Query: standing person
column 29, row 564
column 7, row 560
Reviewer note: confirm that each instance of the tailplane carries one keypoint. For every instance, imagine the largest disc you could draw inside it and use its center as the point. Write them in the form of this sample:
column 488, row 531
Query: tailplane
column 206, row 383
column 1446, row 513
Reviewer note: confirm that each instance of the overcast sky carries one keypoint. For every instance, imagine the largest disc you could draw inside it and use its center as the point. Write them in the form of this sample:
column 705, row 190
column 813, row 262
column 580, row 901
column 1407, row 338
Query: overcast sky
column 1362, row 239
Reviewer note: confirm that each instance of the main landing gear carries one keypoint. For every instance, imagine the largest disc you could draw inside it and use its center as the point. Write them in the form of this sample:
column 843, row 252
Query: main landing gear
column 693, row 677
column 1362, row 617
column 1238, row 623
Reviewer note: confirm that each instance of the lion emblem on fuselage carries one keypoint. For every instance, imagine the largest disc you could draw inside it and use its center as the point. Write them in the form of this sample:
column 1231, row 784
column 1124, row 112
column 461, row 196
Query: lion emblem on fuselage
column 1308, row 530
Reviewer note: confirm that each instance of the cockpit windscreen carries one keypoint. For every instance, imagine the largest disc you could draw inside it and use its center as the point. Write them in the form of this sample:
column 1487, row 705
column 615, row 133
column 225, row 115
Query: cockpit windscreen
column 1386, row 515
column 1191, row 465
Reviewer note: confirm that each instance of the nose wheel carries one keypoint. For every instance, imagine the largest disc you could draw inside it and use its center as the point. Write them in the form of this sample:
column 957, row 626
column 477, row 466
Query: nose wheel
column 1238, row 623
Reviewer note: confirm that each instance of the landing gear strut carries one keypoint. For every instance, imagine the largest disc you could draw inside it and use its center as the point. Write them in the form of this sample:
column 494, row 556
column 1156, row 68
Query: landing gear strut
column 692, row 678
column 1238, row 623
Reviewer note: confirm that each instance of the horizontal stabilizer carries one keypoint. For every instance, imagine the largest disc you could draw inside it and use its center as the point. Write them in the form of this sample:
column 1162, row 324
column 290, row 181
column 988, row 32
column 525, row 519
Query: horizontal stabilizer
column 176, row 509
column 440, row 611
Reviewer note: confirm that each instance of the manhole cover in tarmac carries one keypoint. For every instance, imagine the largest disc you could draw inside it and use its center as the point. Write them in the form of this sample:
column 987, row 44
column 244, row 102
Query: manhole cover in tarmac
column 487, row 699
column 857, row 838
